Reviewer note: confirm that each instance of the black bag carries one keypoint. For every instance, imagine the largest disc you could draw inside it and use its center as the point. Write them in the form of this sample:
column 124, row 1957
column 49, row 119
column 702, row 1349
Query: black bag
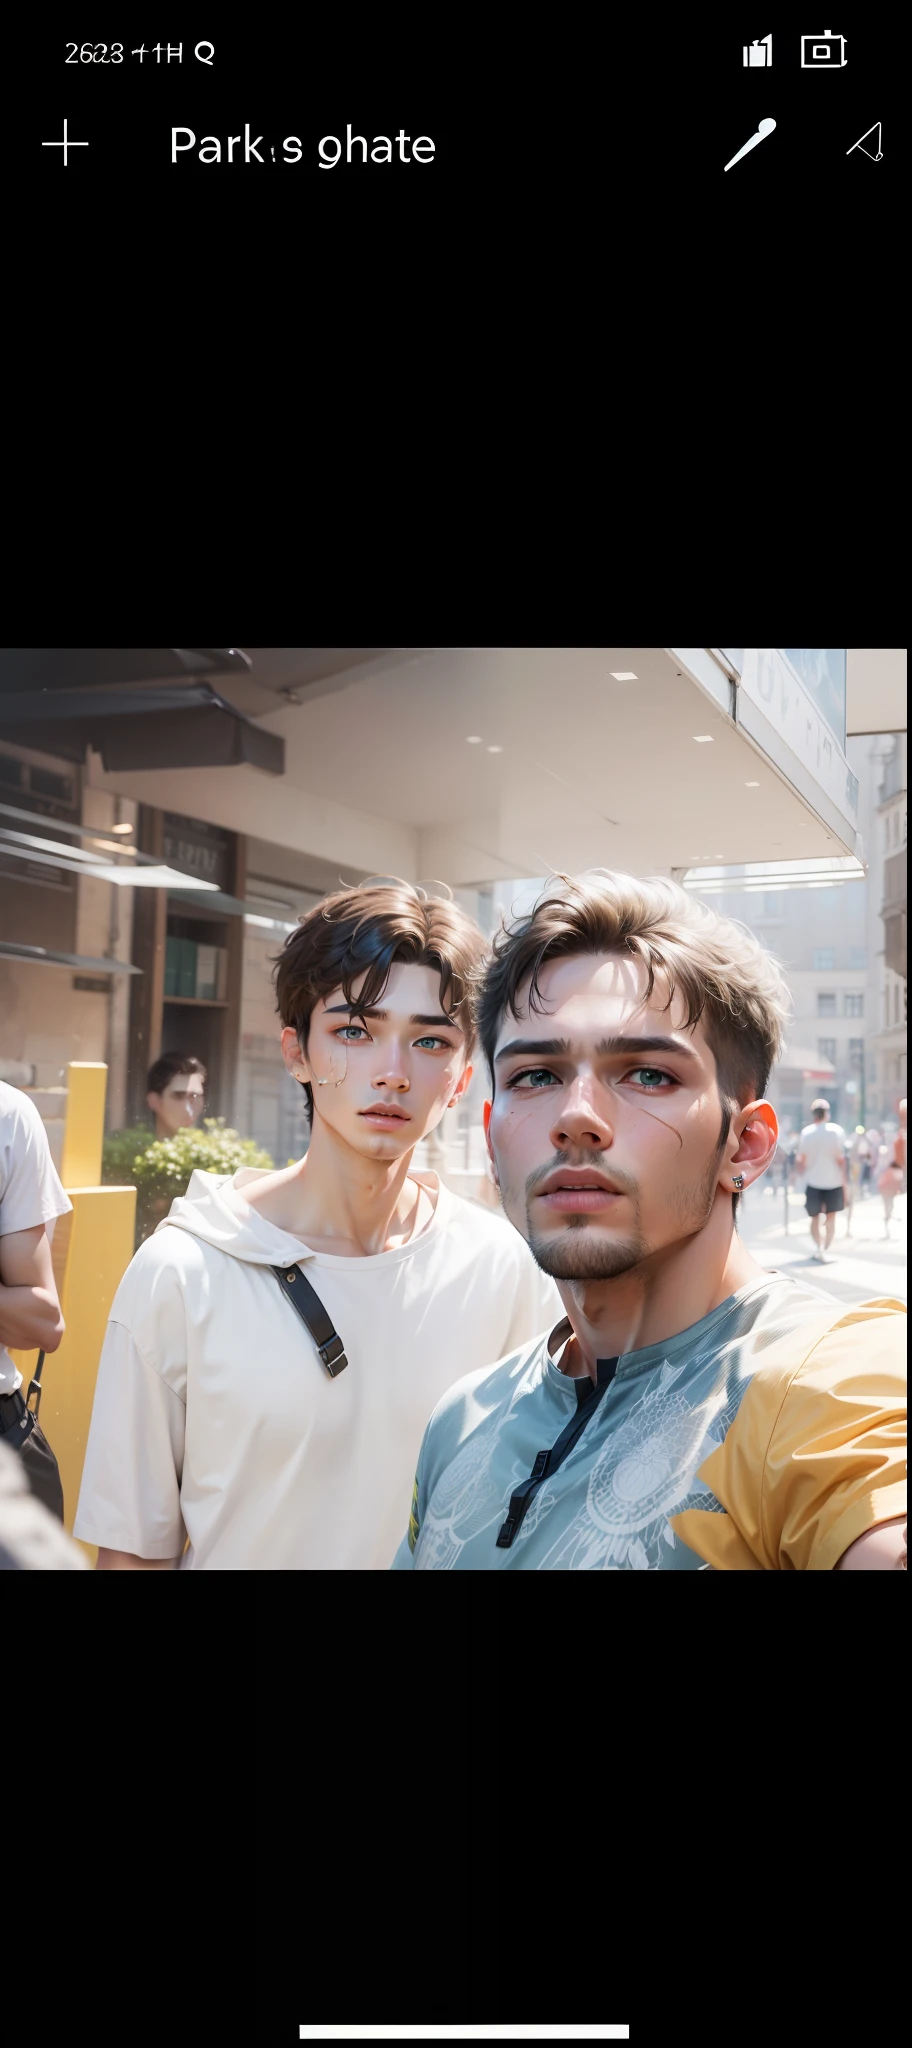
column 23, row 1433
column 313, row 1315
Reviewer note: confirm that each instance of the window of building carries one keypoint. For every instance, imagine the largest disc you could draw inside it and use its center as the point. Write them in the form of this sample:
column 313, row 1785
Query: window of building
column 826, row 1003
column 853, row 1006
column 857, row 957
column 896, row 1002
column 856, row 1052
column 823, row 673
column 886, row 1004
column 824, row 956
column 827, row 1049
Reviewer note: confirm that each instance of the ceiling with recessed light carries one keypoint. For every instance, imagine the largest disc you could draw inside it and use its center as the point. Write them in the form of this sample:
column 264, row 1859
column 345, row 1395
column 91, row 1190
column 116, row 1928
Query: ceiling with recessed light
column 470, row 764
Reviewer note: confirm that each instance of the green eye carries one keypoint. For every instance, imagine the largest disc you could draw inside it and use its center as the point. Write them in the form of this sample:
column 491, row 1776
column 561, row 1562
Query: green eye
column 533, row 1077
column 649, row 1077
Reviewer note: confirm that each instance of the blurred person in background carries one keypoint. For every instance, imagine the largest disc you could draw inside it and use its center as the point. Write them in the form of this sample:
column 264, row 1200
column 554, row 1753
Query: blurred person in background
column 864, row 1155
column 892, row 1179
column 872, row 1162
column 822, row 1160
column 176, row 1092
column 853, row 1175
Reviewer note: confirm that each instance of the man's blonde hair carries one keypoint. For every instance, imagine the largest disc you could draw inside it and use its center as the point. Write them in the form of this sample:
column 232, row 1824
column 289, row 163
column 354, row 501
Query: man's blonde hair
column 715, row 964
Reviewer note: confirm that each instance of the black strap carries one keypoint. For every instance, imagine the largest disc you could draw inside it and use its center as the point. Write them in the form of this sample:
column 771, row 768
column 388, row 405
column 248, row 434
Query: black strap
column 548, row 1462
column 35, row 1387
column 310, row 1308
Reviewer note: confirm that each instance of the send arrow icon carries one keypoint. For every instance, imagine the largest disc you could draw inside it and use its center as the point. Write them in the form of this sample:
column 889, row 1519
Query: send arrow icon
column 866, row 137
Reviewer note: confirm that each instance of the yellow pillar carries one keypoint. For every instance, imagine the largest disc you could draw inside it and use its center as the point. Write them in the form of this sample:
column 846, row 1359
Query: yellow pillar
column 83, row 1136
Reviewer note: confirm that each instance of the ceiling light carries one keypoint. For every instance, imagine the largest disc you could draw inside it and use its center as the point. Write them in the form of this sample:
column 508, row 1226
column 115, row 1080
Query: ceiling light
column 474, row 739
column 147, row 878
column 703, row 739
column 752, row 785
column 495, row 750
column 121, row 828
column 623, row 675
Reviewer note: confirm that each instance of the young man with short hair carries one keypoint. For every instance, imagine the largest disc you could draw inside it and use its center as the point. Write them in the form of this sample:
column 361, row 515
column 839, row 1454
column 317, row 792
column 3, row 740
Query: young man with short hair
column 176, row 1092
column 691, row 1411
column 822, row 1160
column 270, row 1441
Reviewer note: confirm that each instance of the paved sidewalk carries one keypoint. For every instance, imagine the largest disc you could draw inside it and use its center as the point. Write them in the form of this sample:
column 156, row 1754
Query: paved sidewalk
column 865, row 1263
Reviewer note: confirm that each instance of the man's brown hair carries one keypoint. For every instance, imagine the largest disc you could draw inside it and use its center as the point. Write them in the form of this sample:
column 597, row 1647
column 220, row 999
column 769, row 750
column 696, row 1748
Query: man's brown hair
column 363, row 931
column 719, row 968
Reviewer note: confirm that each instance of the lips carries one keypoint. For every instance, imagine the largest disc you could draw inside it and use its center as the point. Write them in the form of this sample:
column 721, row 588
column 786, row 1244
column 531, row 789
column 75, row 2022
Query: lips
column 577, row 1179
column 400, row 1116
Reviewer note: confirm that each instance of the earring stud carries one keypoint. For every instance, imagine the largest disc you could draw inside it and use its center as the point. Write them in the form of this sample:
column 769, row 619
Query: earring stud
column 737, row 1180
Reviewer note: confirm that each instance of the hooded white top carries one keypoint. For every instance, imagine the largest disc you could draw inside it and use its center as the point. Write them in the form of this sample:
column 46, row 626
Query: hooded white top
column 214, row 1418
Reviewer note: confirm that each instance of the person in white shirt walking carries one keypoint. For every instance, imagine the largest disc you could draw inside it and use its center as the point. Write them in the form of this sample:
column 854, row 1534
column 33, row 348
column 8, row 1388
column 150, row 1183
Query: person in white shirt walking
column 822, row 1160
column 230, row 1433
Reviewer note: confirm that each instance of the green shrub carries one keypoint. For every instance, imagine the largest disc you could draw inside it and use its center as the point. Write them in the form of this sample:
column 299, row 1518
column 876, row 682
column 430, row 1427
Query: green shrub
column 118, row 1153
column 161, row 1168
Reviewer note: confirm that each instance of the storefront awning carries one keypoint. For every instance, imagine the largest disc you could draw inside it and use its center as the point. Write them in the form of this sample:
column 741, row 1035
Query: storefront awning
column 812, row 1066
column 73, row 668
column 180, row 725
column 42, row 956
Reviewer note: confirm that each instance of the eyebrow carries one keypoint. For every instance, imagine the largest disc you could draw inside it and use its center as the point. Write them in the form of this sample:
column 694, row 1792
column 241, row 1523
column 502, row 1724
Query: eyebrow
column 354, row 1010
column 561, row 1048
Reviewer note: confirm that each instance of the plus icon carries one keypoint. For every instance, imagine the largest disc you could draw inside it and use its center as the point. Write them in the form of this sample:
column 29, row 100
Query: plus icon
column 65, row 144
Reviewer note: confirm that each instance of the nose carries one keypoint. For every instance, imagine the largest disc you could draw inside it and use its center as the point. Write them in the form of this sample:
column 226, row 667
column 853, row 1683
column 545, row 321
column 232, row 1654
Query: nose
column 392, row 1072
column 584, row 1119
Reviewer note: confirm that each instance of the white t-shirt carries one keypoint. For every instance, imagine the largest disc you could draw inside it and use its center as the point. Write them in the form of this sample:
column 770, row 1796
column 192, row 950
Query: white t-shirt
column 30, row 1190
column 214, row 1416
column 823, row 1146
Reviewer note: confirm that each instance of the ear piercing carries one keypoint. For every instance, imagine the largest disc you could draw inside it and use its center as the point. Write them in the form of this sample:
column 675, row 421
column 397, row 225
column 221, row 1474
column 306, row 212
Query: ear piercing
column 737, row 1180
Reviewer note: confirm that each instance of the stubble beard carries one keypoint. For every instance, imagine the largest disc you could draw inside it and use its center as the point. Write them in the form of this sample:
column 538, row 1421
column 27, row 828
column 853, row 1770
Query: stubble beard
column 577, row 1253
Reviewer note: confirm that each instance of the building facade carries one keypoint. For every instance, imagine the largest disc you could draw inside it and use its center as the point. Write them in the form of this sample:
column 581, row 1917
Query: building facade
column 888, row 871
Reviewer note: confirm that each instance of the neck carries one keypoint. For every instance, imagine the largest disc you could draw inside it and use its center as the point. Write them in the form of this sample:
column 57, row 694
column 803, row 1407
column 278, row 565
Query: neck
column 669, row 1291
column 337, row 1194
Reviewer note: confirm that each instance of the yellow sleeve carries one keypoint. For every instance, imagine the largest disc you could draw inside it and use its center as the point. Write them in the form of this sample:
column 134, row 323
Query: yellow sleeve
column 816, row 1453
